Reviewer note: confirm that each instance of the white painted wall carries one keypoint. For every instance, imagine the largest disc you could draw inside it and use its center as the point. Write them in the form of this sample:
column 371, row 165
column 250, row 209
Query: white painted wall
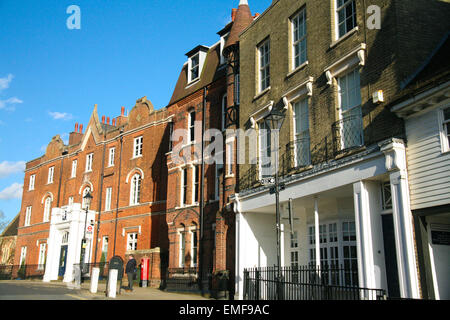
column 428, row 167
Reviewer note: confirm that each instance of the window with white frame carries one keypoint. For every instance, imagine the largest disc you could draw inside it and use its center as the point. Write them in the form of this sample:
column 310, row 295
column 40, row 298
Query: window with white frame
column 105, row 245
column 83, row 202
column 135, row 192
column 229, row 158
column 138, row 143
column 191, row 126
column 302, row 138
column 132, row 241
column 89, row 159
column 70, row 201
column 298, row 23
column 74, row 169
column 41, row 259
column 27, row 216
column 265, row 154
column 65, row 238
column 196, row 184
column 51, row 172
column 264, row 65
column 184, row 183
column 219, row 170
column 32, row 181
column 170, row 136
column 337, row 250
column 47, row 208
column 194, row 246
column 345, row 16
column 23, row 255
column 195, row 67
column 108, row 199
column 351, row 130
column 224, row 112
column 182, row 248
column 294, row 249
column 446, row 129
column 112, row 154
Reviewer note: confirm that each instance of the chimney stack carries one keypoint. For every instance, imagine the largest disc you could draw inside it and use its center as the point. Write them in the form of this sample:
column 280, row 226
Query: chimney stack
column 81, row 128
column 103, row 119
column 114, row 122
column 76, row 127
column 233, row 14
column 122, row 111
column 107, row 120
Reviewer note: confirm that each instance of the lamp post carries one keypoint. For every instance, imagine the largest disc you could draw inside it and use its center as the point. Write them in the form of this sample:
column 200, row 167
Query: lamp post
column 274, row 121
column 87, row 203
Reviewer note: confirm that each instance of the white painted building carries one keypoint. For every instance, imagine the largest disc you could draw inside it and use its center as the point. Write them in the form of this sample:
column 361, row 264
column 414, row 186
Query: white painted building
column 67, row 229
column 354, row 211
column 425, row 107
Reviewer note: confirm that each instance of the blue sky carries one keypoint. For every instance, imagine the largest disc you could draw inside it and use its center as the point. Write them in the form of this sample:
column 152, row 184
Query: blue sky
column 51, row 77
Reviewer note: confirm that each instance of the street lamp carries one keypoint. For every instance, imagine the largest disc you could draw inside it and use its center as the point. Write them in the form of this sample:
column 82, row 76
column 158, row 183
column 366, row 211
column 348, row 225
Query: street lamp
column 274, row 121
column 87, row 203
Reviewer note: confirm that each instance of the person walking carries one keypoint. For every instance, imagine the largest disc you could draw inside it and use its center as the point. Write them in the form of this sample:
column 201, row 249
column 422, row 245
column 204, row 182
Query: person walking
column 130, row 270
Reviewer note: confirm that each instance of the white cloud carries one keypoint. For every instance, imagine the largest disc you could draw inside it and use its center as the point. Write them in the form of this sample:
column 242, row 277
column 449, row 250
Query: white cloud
column 14, row 191
column 7, row 168
column 60, row 115
column 4, row 82
column 8, row 104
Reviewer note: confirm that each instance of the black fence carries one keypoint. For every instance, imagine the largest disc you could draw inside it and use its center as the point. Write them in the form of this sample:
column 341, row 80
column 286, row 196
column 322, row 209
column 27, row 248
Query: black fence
column 306, row 283
column 12, row 272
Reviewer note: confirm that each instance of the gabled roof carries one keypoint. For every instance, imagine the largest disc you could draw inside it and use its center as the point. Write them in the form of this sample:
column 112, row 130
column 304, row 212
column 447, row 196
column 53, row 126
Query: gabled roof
column 11, row 228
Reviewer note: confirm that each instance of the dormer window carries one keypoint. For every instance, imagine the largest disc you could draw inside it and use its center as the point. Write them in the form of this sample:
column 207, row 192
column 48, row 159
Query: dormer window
column 195, row 67
column 223, row 41
column 196, row 59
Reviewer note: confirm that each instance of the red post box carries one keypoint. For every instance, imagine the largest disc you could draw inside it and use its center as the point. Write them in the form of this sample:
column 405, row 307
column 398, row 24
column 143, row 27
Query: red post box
column 145, row 264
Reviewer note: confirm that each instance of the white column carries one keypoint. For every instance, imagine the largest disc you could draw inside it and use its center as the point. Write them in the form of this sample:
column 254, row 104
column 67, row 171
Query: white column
column 239, row 272
column 53, row 251
column 366, row 272
column 404, row 237
column 317, row 232
column 94, row 279
column 112, row 283
column 395, row 154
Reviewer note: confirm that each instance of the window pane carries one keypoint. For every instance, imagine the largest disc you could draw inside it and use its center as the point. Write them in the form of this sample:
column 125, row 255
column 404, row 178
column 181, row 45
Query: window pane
column 447, row 114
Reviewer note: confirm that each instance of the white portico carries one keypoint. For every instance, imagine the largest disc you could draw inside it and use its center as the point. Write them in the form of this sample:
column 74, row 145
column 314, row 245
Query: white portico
column 67, row 229
column 352, row 212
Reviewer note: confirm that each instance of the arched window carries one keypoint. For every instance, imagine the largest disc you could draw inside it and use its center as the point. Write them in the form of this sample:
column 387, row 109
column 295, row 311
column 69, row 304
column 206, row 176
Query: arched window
column 85, row 192
column 47, row 208
column 135, row 193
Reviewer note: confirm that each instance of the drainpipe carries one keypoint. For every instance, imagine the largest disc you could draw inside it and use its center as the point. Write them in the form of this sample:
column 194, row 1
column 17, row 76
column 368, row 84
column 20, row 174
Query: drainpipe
column 202, row 200
column 118, row 190
column 60, row 177
column 102, row 175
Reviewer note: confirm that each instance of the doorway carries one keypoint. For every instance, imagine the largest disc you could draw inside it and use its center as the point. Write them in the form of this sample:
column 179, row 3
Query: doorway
column 62, row 261
column 390, row 256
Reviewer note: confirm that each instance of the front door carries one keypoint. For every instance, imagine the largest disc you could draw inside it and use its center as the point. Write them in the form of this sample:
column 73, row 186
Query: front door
column 62, row 261
column 390, row 256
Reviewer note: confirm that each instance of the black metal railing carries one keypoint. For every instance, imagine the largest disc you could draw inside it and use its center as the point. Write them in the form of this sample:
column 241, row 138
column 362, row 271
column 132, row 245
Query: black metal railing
column 86, row 269
column 298, row 153
column 182, row 279
column 306, row 283
column 26, row 271
column 348, row 134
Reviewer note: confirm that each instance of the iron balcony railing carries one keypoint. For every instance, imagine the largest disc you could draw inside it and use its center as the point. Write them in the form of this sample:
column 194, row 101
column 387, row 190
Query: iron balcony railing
column 298, row 153
column 348, row 134
column 306, row 283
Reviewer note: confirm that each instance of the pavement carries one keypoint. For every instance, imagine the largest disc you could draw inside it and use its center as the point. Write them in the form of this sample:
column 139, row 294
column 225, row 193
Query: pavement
column 58, row 290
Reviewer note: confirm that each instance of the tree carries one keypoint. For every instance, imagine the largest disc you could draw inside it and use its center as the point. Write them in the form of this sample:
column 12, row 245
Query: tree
column 3, row 222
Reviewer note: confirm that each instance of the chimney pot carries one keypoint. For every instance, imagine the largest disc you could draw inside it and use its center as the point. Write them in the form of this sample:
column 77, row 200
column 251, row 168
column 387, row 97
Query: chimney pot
column 76, row 127
column 122, row 111
column 114, row 122
column 81, row 128
column 103, row 119
column 107, row 120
